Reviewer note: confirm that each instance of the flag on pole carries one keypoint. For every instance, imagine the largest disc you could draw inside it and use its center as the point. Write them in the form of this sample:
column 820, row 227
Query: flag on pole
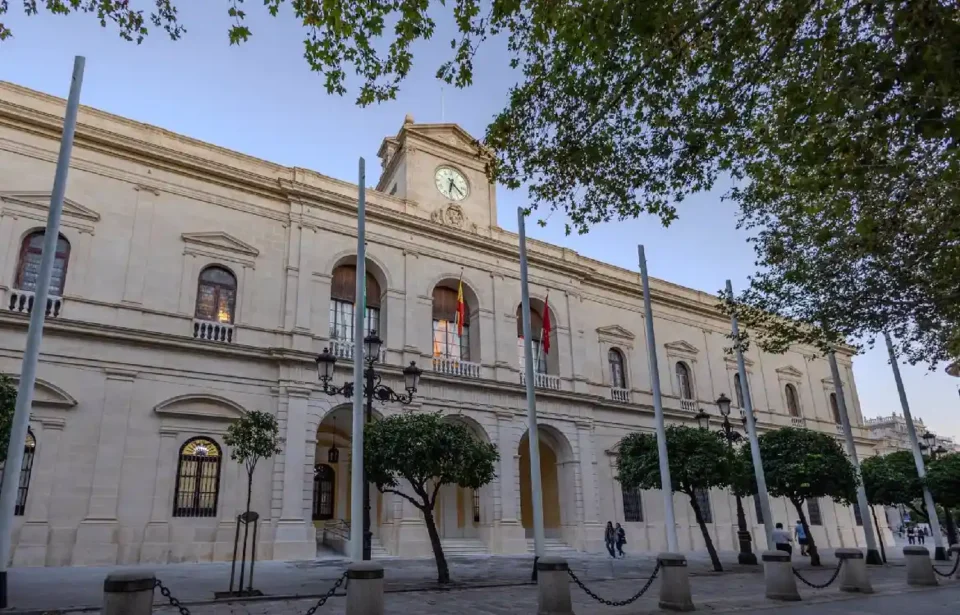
column 461, row 307
column 546, row 325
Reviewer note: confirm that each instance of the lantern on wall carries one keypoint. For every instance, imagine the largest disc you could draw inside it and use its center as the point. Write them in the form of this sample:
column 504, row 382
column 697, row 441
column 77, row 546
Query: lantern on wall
column 333, row 455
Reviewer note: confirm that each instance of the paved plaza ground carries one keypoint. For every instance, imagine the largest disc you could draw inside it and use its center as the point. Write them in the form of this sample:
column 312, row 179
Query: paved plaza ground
column 483, row 585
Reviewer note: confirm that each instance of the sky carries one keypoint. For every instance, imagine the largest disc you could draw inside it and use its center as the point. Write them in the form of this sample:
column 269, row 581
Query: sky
column 261, row 99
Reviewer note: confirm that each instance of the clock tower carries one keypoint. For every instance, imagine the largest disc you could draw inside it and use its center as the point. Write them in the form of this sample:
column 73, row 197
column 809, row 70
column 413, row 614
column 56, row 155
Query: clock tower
column 441, row 170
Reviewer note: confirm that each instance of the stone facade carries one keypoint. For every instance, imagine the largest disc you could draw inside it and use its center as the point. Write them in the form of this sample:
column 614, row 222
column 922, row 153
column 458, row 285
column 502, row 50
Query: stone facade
column 196, row 284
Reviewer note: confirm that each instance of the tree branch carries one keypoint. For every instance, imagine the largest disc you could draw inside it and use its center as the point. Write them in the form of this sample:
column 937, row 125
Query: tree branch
column 405, row 496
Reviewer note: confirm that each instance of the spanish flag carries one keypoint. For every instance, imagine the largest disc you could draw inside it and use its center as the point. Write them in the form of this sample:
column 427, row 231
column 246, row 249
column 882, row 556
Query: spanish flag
column 545, row 334
column 461, row 308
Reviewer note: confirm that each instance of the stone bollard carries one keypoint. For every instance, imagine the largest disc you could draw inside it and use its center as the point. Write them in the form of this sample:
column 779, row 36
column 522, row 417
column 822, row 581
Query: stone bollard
column 853, row 575
column 129, row 592
column 365, row 588
column 553, row 586
column 955, row 549
column 919, row 566
column 674, row 583
column 778, row 575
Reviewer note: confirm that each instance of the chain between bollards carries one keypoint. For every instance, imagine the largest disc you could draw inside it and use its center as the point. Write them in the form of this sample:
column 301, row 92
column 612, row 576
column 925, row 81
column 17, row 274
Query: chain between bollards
column 328, row 595
column 173, row 601
column 947, row 575
column 629, row 600
column 833, row 578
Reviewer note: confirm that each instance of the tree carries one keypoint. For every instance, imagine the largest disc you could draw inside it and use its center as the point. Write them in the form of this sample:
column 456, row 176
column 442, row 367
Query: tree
column 427, row 452
column 800, row 465
column 8, row 403
column 943, row 480
column 699, row 460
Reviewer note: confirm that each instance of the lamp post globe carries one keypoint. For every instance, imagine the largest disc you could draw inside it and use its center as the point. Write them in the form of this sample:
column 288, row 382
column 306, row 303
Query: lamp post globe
column 723, row 403
column 411, row 377
column 703, row 419
column 325, row 364
column 371, row 347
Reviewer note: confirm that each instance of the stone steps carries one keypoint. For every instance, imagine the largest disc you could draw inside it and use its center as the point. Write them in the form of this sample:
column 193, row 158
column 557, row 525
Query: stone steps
column 458, row 547
column 552, row 546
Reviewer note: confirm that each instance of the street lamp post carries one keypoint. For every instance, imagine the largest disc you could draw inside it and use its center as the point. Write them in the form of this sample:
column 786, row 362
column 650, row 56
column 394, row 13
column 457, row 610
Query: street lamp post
column 372, row 389
column 746, row 556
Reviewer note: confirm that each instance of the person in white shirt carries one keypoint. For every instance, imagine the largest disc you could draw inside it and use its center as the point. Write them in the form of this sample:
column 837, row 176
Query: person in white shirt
column 782, row 539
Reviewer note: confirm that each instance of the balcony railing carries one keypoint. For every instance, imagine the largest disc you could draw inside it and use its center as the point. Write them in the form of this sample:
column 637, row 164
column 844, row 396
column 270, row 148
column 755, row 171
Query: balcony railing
column 798, row 421
column 212, row 331
column 343, row 349
column 456, row 367
column 543, row 381
column 22, row 301
column 618, row 394
column 690, row 405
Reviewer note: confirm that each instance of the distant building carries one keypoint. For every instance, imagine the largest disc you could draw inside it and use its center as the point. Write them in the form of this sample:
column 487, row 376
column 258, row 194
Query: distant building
column 890, row 432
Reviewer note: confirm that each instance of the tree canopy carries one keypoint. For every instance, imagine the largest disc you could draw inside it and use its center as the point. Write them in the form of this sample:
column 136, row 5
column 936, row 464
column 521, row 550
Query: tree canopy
column 426, row 452
column 836, row 121
column 943, row 479
column 892, row 479
column 699, row 460
column 8, row 404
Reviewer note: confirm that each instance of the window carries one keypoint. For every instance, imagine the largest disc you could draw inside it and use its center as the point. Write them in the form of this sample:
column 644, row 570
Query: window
column 835, row 409
column 26, row 469
column 31, row 252
column 216, row 295
column 536, row 328
column 813, row 511
column 198, row 479
column 703, row 502
column 632, row 505
column 617, row 378
column 324, row 483
column 446, row 342
column 738, row 390
column 856, row 514
column 758, row 509
column 793, row 402
column 476, row 506
column 683, row 381
column 343, row 294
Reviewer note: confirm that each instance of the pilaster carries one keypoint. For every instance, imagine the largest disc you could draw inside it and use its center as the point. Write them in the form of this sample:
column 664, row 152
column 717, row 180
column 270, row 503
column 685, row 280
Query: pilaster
column 31, row 548
column 156, row 546
column 292, row 540
column 139, row 245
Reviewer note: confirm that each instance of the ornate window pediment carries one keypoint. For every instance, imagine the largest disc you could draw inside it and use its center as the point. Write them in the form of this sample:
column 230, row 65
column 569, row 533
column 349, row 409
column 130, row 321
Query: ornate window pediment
column 200, row 406
column 681, row 347
column 219, row 242
column 40, row 201
column 48, row 394
column 731, row 362
column 616, row 332
column 790, row 372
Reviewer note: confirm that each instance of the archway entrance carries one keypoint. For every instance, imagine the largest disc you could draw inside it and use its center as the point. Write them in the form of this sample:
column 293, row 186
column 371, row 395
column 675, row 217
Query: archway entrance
column 556, row 482
column 462, row 512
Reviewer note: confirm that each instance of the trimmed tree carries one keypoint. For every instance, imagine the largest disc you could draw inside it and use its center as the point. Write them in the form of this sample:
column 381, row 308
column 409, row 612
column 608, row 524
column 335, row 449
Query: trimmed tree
column 8, row 403
column 699, row 459
column 943, row 480
column 801, row 465
column 427, row 452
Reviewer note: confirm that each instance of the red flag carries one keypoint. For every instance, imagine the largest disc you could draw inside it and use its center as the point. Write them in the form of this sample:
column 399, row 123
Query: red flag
column 461, row 309
column 546, row 325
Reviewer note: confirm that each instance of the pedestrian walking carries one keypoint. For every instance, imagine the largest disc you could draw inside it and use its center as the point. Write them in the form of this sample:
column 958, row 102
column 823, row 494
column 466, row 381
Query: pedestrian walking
column 801, row 537
column 912, row 535
column 621, row 540
column 922, row 535
column 610, row 538
column 782, row 539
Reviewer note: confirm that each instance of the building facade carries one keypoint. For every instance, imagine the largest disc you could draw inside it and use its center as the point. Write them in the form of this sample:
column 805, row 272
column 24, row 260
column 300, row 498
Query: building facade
column 890, row 434
column 193, row 284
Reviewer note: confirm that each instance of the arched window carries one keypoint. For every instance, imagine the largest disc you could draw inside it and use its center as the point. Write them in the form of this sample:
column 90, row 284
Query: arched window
column 738, row 390
column 536, row 330
column 216, row 295
column 343, row 296
column 26, row 469
column 793, row 402
column 446, row 340
column 324, row 488
column 28, row 269
column 198, row 479
column 683, row 381
column 617, row 377
column 835, row 409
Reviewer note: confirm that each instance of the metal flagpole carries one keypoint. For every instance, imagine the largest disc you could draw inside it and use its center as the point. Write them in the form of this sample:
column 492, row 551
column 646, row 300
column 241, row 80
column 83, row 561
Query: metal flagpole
column 939, row 552
column 666, row 484
column 873, row 554
column 360, row 308
column 533, row 438
column 752, row 431
column 31, row 354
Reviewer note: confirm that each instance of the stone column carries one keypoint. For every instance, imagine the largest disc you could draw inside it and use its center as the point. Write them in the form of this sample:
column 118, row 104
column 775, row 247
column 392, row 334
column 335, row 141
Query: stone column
column 508, row 532
column 506, row 358
column 308, row 241
column 31, row 547
column 156, row 536
column 592, row 528
column 292, row 538
column 578, row 362
column 411, row 326
column 97, row 541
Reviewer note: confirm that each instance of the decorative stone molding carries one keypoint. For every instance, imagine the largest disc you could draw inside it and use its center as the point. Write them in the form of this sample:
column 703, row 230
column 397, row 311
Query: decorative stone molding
column 682, row 348
column 48, row 395
column 220, row 242
column 202, row 406
column 40, row 201
column 615, row 334
column 790, row 373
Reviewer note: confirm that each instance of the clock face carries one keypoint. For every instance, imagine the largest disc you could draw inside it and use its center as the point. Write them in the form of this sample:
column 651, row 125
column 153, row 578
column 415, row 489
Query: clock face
column 451, row 184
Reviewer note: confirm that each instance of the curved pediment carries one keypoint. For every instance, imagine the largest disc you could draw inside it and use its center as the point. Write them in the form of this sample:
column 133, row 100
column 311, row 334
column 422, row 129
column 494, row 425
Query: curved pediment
column 48, row 394
column 201, row 407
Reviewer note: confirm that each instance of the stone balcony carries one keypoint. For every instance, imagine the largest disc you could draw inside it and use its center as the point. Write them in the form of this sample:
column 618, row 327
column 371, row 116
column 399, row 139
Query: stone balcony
column 688, row 405
column 620, row 395
column 456, row 367
column 798, row 421
column 213, row 331
column 344, row 349
column 543, row 381
column 21, row 301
